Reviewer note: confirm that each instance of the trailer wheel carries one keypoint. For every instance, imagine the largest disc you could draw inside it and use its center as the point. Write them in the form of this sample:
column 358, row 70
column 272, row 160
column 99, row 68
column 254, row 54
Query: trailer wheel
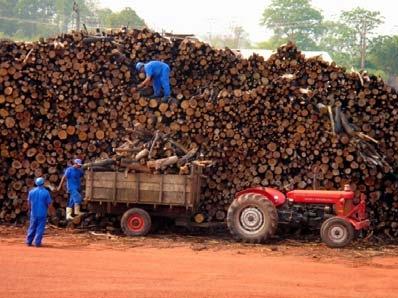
column 252, row 218
column 136, row 222
column 337, row 232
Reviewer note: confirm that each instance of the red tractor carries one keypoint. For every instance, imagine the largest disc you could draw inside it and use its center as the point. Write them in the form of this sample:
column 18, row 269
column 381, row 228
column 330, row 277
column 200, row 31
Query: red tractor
column 256, row 212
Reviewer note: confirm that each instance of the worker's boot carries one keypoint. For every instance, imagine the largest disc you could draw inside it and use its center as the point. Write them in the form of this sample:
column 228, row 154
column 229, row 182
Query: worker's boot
column 166, row 99
column 69, row 213
column 77, row 210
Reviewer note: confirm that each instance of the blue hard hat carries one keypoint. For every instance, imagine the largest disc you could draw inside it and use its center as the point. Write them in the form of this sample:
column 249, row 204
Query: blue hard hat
column 78, row 161
column 39, row 181
column 138, row 66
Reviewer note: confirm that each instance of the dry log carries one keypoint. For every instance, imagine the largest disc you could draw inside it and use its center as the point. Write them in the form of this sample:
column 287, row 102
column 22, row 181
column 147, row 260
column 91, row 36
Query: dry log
column 259, row 121
column 143, row 153
column 163, row 162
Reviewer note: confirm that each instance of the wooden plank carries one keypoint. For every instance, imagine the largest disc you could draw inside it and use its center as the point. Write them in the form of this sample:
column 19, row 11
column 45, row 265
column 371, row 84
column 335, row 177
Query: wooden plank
column 137, row 190
column 147, row 197
column 114, row 186
column 161, row 190
column 143, row 185
column 142, row 188
column 150, row 178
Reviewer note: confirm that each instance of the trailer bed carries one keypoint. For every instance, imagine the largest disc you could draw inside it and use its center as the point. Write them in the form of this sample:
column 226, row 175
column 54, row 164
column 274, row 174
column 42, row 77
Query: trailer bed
column 143, row 188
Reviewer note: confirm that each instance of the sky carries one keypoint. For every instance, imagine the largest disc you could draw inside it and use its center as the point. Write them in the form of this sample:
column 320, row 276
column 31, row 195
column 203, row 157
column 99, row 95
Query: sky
column 204, row 17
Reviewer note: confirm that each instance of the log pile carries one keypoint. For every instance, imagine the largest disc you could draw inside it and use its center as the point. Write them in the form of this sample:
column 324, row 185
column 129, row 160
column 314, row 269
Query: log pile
column 150, row 152
column 285, row 121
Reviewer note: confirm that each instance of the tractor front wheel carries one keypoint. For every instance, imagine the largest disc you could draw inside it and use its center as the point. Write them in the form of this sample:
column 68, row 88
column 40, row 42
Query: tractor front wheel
column 136, row 222
column 252, row 218
column 337, row 232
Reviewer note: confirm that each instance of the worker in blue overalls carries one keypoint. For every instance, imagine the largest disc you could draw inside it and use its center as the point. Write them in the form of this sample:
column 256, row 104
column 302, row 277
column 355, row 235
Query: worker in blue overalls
column 158, row 73
column 73, row 175
column 39, row 200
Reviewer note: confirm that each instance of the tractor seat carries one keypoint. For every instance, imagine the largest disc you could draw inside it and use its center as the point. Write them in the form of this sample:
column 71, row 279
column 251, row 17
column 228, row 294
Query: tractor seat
column 306, row 195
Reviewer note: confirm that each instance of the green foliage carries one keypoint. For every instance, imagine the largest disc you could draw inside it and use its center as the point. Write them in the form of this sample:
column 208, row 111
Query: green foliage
column 30, row 19
column 295, row 20
column 346, row 40
column 362, row 22
column 126, row 17
column 273, row 43
column 338, row 40
column 383, row 53
column 26, row 17
column 103, row 16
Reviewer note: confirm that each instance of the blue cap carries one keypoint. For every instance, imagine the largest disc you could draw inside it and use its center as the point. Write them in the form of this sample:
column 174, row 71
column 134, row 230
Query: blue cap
column 78, row 162
column 138, row 66
column 39, row 181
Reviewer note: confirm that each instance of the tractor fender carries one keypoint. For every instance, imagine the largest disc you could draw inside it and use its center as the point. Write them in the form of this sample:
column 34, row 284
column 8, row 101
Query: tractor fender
column 273, row 195
column 357, row 224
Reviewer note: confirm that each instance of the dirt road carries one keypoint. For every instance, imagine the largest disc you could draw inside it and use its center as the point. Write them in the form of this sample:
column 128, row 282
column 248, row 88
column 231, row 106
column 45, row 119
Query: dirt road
column 86, row 265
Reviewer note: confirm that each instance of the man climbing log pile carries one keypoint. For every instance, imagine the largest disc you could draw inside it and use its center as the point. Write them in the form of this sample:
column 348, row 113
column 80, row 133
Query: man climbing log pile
column 287, row 120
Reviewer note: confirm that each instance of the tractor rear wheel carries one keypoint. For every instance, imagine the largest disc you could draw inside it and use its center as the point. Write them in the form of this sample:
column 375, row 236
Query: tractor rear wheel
column 337, row 232
column 136, row 222
column 252, row 218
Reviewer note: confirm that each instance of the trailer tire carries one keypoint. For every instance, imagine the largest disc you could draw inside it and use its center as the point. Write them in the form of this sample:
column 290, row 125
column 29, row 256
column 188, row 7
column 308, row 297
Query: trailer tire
column 136, row 222
column 252, row 218
column 336, row 232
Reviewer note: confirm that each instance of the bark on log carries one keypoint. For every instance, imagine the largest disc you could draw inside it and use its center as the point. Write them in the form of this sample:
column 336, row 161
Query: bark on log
column 261, row 122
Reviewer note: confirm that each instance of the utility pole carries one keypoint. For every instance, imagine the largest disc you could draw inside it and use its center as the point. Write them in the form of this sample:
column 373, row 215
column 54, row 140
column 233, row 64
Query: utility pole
column 77, row 12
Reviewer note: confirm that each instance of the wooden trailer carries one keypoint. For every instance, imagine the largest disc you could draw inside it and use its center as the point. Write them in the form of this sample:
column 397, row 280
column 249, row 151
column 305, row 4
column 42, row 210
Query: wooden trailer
column 140, row 196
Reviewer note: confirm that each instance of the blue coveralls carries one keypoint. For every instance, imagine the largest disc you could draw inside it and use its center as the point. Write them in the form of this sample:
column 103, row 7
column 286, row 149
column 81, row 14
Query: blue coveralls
column 73, row 180
column 159, row 72
column 39, row 199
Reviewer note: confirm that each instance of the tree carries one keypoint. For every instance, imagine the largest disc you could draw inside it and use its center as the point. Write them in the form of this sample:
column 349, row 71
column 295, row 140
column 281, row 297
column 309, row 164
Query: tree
column 127, row 17
column 240, row 37
column 66, row 17
column 28, row 19
column 103, row 17
column 294, row 20
column 237, row 38
column 338, row 40
column 383, row 54
column 363, row 22
column 33, row 17
column 272, row 43
column 8, row 23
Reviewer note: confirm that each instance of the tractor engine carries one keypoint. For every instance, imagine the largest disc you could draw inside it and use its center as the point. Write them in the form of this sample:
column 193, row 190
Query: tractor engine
column 310, row 215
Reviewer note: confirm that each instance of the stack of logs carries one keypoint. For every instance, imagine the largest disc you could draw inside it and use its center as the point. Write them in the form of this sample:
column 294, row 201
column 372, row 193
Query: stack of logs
column 285, row 121
column 146, row 151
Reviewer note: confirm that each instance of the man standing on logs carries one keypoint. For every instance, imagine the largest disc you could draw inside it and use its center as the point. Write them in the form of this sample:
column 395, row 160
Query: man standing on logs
column 158, row 73
column 73, row 175
column 39, row 200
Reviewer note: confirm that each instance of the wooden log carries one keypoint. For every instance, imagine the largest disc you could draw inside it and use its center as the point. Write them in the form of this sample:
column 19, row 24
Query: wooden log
column 261, row 122
column 163, row 162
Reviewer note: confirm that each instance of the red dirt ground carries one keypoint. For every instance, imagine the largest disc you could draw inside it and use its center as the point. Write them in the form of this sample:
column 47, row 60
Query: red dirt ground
column 100, row 265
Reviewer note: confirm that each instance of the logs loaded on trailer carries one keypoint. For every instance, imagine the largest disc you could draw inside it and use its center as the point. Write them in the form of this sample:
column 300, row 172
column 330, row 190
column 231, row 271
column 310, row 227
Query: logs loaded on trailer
column 284, row 121
column 150, row 152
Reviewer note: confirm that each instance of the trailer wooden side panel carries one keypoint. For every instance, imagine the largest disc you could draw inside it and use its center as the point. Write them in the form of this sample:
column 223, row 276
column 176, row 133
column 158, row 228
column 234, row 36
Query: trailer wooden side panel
column 141, row 188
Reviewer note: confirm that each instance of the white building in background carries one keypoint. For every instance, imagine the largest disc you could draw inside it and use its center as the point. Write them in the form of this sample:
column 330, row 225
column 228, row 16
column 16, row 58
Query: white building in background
column 246, row 53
